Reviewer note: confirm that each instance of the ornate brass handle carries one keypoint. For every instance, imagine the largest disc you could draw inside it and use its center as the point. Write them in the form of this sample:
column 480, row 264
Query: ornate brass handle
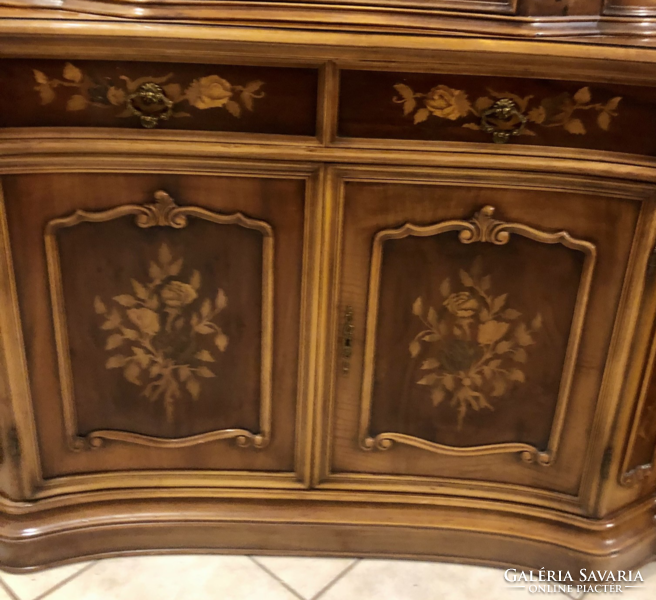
column 150, row 104
column 347, row 339
column 504, row 112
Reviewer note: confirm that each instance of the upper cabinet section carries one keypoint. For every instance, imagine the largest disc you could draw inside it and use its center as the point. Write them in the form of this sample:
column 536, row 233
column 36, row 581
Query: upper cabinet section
column 265, row 100
column 622, row 22
column 454, row 108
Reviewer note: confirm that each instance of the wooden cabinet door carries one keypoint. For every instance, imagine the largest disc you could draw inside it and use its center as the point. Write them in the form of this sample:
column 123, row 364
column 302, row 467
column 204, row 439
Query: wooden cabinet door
column 472, row 320
column 161, row 322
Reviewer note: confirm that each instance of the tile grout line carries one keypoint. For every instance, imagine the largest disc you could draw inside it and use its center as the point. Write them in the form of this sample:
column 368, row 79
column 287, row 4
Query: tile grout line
column 334, row 581
column 274, row 576
column 62, row 583
column 6, row 588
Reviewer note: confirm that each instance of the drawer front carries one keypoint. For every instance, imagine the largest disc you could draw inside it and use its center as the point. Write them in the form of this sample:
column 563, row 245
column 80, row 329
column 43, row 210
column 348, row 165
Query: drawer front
column 161, row 319
column 477, row 323
column 168, row 96
column 434, row 107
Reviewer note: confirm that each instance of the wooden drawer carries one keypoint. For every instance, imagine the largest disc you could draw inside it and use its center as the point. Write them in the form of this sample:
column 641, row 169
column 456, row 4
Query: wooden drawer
column 172, row 96
column 459, row 108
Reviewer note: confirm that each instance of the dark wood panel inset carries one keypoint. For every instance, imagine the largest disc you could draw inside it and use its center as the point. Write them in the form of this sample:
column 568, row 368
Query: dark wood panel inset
column 164, row 326
column 419, row 106
column 202, row 97
column 471, row 339
column 558, row 8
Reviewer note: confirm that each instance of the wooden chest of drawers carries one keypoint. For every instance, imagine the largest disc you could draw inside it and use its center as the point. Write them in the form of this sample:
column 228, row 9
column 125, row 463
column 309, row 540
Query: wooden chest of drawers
column 317, row 291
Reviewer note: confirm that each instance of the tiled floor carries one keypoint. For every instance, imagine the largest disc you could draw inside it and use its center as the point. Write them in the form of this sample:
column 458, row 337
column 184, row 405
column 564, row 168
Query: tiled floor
column 274, row 578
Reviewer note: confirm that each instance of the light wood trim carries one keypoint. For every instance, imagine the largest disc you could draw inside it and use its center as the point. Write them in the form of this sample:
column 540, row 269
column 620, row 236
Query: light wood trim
column 489, row 176
column 617, row 394
column 104, row 39
column 330, row 317
column 244, row 524
column 293, row 20
column 26, row 468
column 166, row 480
column 100, row 150
column 328, row 104
column 451, row 487
column 636, row 339
column 309, row 330
column 409, row 508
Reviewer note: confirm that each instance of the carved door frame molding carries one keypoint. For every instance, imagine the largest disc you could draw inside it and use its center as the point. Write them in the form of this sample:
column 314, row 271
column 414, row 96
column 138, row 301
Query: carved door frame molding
column 481, row 228
column 164, row 212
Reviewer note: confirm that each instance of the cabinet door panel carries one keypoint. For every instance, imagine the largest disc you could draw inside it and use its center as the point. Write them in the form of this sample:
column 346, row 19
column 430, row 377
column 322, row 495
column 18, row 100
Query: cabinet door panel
column 481, row 319
column 149, row 318
column 481, row 343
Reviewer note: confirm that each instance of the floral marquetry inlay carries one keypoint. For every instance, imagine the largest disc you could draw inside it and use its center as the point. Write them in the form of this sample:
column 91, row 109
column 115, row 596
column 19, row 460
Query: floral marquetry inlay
column 567, row 111
column 478, row 343
column 84, row 91
column 162, row 335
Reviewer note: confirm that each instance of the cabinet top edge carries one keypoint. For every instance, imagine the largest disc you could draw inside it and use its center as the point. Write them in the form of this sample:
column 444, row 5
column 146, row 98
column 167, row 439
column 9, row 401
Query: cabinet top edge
column 597, row 22
column 48, row 34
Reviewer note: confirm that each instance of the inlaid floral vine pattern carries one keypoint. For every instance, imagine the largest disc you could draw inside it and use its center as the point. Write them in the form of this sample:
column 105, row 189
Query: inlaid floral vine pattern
column 163, row 335
column 87, row 91
column 474, row 344
column 564, row 110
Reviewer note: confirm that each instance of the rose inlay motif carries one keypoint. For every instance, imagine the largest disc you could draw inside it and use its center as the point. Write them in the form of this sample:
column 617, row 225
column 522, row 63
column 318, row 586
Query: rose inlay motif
column 447, row 103
column 209, row 92
column 177, row 294
column 563, row 110
column 89, row 91
column 473, row 345
column 164, row 335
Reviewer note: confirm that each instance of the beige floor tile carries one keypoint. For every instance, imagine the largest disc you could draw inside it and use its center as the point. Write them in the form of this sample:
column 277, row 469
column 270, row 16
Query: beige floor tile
column 306, row 576
column 4, row 595
column 409, row 580
column 174, row 578
column 32, row 585
column 645, row 591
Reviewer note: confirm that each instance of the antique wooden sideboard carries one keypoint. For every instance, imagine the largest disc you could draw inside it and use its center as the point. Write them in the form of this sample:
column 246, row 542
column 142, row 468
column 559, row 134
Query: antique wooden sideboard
column 357, row 278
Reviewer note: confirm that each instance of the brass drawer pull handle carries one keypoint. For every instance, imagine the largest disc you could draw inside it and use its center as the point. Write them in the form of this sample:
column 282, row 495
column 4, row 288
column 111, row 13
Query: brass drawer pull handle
column 347, row 339
column 505, row 113
column 150, row 104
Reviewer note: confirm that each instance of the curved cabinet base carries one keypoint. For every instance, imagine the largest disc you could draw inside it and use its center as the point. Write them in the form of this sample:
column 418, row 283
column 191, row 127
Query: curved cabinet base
column 32, row 537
